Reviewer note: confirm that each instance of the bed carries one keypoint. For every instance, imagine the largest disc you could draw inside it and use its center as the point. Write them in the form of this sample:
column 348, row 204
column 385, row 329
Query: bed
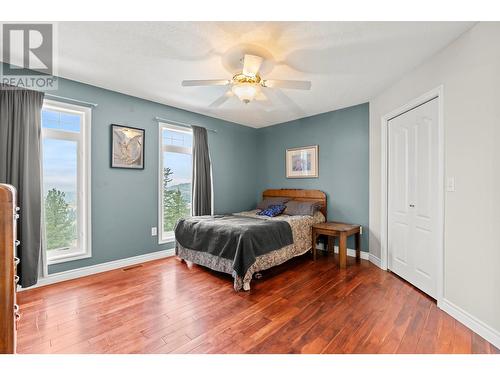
column 240, row 265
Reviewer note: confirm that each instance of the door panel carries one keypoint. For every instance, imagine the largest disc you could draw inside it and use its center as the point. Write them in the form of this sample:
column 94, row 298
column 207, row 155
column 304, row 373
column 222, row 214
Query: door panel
column 399, row 146
column 401, row 167
column 412, row 196
column 423, row 166
column 424, row 253
column 400, row 243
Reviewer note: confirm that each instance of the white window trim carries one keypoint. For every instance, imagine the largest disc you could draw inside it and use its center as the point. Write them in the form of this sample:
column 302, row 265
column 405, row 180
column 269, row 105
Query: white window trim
column 83, row 178
column 179, row 149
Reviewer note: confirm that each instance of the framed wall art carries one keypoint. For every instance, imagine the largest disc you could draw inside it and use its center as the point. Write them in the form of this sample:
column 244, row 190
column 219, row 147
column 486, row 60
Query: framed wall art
column 127, row 147
column 302, row 162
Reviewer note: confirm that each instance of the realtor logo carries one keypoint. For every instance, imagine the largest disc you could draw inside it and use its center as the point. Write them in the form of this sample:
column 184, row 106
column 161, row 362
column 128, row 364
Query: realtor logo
column 28, row 55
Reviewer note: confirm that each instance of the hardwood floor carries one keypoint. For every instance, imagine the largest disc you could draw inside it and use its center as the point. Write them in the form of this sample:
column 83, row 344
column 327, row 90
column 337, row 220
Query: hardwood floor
column 299, row 307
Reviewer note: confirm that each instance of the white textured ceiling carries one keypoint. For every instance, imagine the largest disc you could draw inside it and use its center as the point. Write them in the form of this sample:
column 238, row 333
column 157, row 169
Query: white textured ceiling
column 347, row 62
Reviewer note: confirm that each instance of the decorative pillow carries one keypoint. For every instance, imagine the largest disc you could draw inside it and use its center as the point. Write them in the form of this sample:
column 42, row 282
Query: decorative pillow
column 295, row 208
column 269, row 201
column 273, row 210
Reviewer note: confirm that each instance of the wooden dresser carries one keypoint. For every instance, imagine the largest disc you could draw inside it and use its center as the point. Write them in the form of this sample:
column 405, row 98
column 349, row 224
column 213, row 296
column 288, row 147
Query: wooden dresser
column 9, row 310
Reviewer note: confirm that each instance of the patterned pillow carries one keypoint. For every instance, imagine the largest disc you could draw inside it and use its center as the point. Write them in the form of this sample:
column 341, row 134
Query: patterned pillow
column 273, row 210
column 302, row 208
column 265, row 203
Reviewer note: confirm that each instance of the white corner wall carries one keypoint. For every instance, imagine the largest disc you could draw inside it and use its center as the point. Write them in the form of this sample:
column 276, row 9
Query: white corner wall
column 469, row 70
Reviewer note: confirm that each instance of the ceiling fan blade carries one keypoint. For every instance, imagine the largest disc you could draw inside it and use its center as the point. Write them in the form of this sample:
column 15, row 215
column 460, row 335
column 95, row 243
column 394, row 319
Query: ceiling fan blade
column 205, row 82
column 287, row 84
column 264, row 106
column 278, row 95
column 260, row 96
column 251, row 65
column 263, row 100
column 221, row 100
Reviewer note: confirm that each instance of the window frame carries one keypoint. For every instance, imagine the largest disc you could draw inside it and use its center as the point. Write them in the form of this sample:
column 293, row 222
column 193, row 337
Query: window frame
column 83, row 141
column 161, row 149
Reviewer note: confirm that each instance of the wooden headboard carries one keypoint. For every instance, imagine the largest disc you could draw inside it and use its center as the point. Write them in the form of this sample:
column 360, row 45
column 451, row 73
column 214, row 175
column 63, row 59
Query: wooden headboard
column 303, row 195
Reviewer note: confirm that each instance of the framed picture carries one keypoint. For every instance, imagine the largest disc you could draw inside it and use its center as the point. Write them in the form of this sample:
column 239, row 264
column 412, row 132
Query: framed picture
column 302, row 162
column 127, row 147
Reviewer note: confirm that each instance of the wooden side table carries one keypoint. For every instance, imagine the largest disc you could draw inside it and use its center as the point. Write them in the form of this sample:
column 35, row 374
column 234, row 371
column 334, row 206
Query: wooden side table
column 334, row 229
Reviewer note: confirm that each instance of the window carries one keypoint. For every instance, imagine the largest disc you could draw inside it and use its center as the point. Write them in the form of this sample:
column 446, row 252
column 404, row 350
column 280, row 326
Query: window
column 66, row 181
column 175, row 174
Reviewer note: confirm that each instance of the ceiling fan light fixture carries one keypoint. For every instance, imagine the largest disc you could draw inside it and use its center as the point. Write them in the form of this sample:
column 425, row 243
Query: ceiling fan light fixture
column 247, row 84
column 245, row 91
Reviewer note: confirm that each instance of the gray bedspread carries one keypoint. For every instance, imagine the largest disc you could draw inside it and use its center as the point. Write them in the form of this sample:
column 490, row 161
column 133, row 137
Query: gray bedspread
column 238, row 238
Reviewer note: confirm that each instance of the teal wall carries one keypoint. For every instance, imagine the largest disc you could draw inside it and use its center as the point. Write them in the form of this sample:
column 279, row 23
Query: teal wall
column 343, row 141
column 124, row 202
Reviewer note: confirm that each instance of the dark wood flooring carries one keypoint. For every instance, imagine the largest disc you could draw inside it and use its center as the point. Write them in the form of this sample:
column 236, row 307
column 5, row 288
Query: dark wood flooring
column 299, row 307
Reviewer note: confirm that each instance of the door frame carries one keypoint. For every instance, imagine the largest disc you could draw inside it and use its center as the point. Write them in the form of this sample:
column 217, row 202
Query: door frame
column 384, row 234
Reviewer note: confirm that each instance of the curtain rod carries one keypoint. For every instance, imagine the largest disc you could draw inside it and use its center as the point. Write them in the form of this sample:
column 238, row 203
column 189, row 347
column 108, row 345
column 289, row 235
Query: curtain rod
column 160, row 119
column 88, row 104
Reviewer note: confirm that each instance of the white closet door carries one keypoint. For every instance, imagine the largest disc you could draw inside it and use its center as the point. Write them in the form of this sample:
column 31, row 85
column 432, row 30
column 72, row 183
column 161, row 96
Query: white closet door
column 412, row 196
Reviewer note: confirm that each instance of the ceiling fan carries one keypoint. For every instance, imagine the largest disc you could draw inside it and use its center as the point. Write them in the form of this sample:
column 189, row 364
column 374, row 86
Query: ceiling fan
column 247, row 84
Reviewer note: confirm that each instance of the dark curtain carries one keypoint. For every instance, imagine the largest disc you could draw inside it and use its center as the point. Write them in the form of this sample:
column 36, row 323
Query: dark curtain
column 202, row 174
column 20, row 123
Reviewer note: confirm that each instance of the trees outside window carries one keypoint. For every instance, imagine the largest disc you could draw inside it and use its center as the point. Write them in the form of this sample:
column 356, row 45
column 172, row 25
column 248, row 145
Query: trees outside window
column 175, row 206
column 60, row 221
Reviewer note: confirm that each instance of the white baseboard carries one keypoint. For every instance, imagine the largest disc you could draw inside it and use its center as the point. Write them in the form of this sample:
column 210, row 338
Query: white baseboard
column 482, row 329
column 98, row 268
column 375, row 260
column 352, row 253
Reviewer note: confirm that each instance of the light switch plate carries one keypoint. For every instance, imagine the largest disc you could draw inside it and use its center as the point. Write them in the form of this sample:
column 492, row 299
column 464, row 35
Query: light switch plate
column 450, row 184
column 154, row 231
